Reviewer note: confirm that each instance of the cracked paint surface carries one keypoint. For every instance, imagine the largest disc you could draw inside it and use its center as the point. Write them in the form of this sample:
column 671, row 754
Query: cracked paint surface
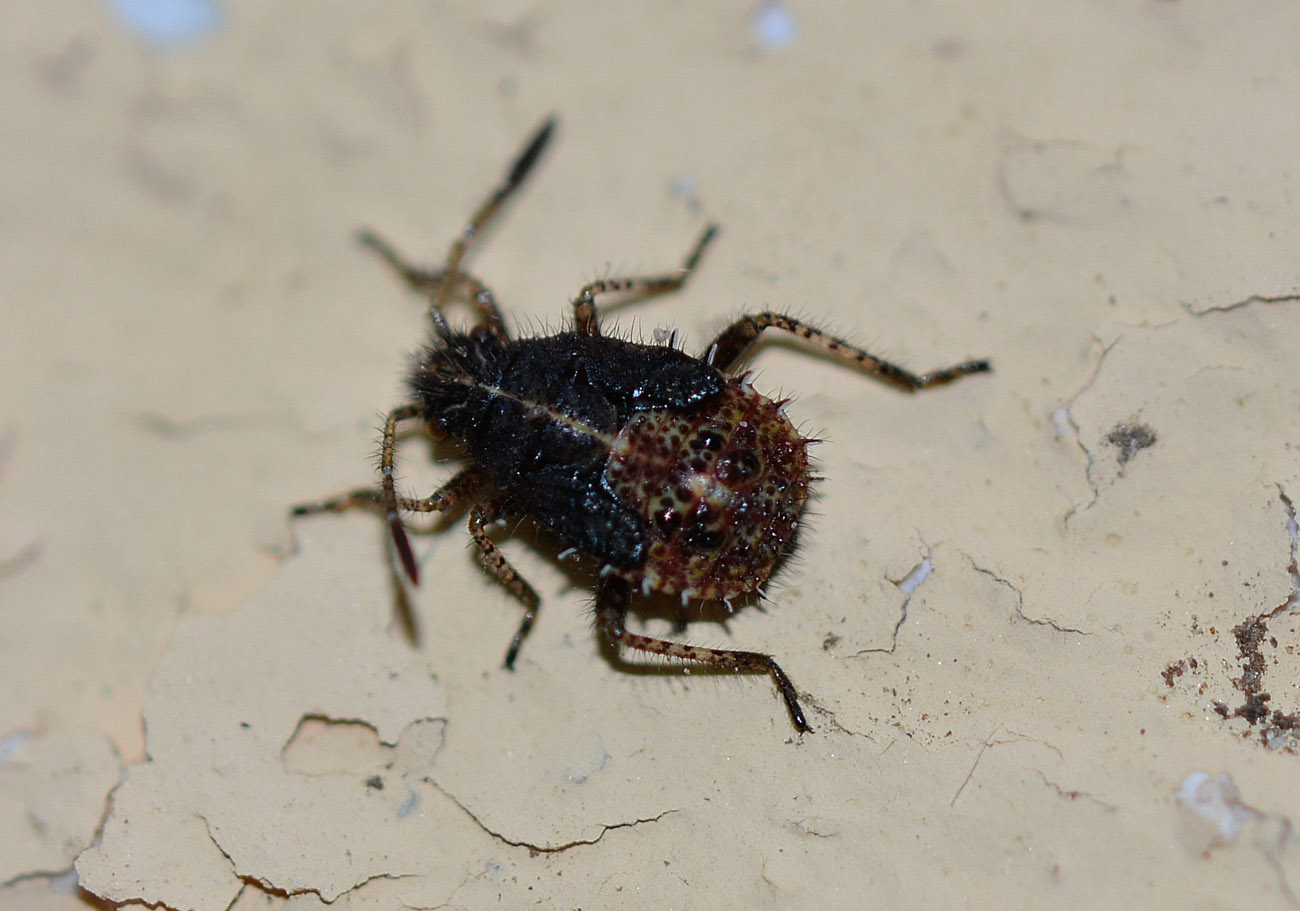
column 192, row 342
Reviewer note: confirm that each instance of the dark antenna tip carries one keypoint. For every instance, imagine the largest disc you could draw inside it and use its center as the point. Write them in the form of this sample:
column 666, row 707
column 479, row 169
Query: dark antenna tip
column 533, row 151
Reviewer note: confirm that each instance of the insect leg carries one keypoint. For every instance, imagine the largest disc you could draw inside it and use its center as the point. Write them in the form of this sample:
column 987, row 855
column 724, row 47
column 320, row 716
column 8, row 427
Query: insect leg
column 519, row 169
column 438, row 286
column 732, row 343
column 496, row 563
column 385, row 499
column 388, row 488
column 585, row 321
column 611, row 611
column 462, row 486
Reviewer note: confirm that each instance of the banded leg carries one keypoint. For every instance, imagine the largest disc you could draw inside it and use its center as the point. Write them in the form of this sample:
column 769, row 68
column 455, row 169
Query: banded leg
column 611, row 612
column 585, row 320
column 499, row 567
column 447, row 497
column 431, row 282
column 462, row 487
column 518, row 172
column 387, row 493
column 732, row 343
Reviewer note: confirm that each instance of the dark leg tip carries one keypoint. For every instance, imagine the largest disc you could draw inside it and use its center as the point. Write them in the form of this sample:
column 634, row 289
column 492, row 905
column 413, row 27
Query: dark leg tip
column 800, row 723
column 404, row 553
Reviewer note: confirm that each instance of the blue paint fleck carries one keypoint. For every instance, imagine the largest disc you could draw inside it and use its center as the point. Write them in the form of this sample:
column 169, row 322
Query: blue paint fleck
column 774, row 27
column 169, row 21
column 409, row 803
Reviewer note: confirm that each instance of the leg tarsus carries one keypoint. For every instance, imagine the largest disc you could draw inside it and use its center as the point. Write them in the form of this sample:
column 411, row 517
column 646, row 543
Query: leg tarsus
column 732, row 343
column 461, row 487
column 500, row 569
column 388, row 488
column 611, row 611
column 402, row 544
column 363, row 498
column 585, row 319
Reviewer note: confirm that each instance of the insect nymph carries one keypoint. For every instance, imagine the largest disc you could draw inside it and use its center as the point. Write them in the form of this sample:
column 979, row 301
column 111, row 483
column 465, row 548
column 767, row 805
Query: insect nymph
column 670, row 473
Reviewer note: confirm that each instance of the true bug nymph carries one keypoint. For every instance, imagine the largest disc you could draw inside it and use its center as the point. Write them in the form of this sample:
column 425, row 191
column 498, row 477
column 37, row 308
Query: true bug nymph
column 670, row 472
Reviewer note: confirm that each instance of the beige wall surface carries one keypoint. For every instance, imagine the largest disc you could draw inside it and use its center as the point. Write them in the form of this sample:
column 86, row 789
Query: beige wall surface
column 1043, row 621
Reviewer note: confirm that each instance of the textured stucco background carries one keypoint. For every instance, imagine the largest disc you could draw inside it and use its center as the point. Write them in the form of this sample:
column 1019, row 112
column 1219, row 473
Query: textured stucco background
column 1090, row 698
